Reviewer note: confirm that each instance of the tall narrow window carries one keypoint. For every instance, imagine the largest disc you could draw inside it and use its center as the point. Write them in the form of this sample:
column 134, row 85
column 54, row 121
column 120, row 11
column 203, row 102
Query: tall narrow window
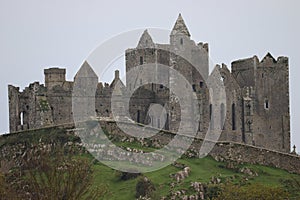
column 138, row 117
column 152, row 121
column 211, row 116
column 158, row 123
column 248, row 109
column 181, row 41
column 22, row 118
column 267, row 104
column 141, row 60
column 233, row 117
column 222, row 118
column 167, row 122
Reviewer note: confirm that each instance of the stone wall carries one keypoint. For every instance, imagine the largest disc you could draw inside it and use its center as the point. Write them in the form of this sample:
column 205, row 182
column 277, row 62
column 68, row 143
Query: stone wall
column 222, row 151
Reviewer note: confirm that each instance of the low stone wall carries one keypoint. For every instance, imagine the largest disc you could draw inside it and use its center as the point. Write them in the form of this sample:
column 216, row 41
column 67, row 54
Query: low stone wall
column 226, row 151
column 249, row 154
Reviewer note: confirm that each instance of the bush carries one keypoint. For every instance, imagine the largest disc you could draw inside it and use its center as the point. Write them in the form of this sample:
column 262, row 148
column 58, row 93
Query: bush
column 144, row 188
column 54, row 174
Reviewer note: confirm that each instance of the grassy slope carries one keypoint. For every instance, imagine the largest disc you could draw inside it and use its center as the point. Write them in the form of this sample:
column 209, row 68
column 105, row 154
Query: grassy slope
column 201, row 169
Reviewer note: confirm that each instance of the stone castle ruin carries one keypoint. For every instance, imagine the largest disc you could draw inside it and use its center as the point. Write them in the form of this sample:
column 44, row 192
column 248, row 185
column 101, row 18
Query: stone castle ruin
column 257, row 93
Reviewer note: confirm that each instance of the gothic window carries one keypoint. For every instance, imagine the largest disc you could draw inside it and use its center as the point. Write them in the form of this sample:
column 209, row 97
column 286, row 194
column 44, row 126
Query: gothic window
column 141, row 60
column 222, row 118
column 181, row 41
column 233, row 117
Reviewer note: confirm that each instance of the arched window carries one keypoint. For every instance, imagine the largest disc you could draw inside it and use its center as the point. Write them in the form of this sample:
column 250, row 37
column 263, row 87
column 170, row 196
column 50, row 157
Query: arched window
column 181, row 41
column 233, row 117
column 222, row 118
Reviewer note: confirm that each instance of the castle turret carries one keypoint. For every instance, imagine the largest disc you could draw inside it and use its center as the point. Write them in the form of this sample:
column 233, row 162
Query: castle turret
column 243, row 71
column 54, row 76
column 14, row 111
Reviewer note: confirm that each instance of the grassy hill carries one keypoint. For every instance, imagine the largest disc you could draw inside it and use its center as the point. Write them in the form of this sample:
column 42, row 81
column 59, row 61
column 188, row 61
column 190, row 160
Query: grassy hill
column 205, row 170
column 202, row 170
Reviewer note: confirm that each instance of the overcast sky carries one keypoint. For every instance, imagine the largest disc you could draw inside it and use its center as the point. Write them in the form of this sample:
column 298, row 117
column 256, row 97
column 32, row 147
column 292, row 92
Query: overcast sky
column 37, row 34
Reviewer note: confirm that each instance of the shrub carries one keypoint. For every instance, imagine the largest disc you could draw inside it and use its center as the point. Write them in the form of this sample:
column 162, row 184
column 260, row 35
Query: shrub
column 55, row 174
column 144, row 188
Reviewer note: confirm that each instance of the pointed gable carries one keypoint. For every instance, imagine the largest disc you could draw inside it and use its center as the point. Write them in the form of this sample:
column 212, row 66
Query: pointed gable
column 180, row 27
column 145, row 41
column 269, row 57
column 85, row 71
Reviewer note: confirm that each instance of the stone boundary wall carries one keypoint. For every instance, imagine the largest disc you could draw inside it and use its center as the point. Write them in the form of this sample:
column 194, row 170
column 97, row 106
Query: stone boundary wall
column 222, row 151
column 228, row 151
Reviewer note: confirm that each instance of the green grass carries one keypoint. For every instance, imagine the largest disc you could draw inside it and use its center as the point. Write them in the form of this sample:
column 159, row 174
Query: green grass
column 201, row 169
